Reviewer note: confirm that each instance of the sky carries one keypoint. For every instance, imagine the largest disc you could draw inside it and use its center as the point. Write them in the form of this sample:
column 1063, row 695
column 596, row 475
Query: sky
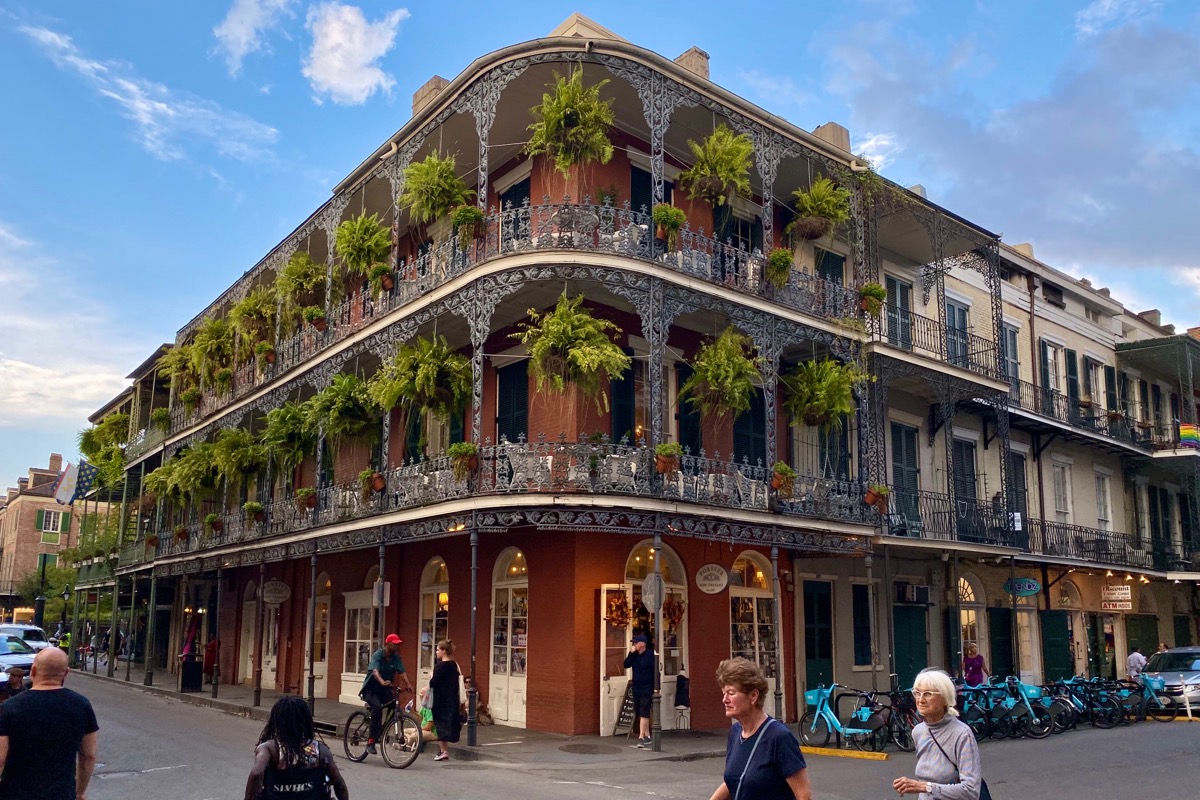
column 150, row 153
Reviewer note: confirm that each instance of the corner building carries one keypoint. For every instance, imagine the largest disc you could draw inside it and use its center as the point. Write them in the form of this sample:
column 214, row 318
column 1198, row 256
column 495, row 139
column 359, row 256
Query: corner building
column 534, row 562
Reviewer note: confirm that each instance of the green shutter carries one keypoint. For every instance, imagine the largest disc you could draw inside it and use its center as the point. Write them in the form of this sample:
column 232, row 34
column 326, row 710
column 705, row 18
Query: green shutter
column 1044, row 355
column 690, row 435
column 65, row 525
column 456, row 426
column 623, row 405
column 750, row 433
column 41, row 515
column 1072, row 376
column 1110, row 388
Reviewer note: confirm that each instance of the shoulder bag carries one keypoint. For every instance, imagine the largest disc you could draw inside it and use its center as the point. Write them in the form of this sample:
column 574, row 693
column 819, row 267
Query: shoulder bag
column 737, row 795
column 984, row 793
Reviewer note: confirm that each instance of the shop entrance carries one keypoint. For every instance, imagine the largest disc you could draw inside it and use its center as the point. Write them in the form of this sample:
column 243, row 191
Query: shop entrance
column 1057, row 658
column 510, row 638
column 910, row 626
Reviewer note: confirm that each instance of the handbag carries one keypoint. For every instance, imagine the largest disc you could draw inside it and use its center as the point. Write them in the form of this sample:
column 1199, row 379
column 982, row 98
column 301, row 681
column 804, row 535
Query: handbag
column 427, row 700
column 984, row 793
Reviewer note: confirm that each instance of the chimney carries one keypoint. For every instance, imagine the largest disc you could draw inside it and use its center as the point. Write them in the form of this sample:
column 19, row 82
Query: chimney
column 55, row 462
column 918, row 190
column 694, row 60
column 1104, row 291
column 22, row 484
column 426, row 94
column 1153, row 316
column 1085, row 283
column 1170, row 329
column 1024, row 248
column 834, row 134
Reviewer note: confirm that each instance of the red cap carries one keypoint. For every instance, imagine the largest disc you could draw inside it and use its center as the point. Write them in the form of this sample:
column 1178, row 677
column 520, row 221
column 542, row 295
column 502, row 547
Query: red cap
column 393, row 639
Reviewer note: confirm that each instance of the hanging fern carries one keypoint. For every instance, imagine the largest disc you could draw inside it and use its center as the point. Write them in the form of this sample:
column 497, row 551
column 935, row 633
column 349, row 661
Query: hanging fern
column 161, row 482
column 363, row 242
column 236, row 454
column 345, row 409
column 288, row 436
column 425, row 375
column 194, row 475
column 432, row 187
column 176, row 366
column 723, row 377
column 111, row 431
column 821, row 392
column 301, row 283
column 720, row 167
column 570, row 346
column 571, row 124
column 820, row 210
column 253, row 319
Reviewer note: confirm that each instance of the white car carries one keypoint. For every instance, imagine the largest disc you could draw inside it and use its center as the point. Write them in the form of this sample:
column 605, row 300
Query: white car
column 15, row 653
column 32, row 635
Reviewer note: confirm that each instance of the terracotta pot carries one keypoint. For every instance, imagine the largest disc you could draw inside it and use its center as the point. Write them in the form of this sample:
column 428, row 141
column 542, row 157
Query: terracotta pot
column 259, row 516
column 387, row 282
column 881, row 505
column 871, row 497
column 270, row 357
column 151, row 541
column 811, row 227
column 217, row 526
column 320, row 323
column 783, row 485
column 378, row 482
column 666, row 465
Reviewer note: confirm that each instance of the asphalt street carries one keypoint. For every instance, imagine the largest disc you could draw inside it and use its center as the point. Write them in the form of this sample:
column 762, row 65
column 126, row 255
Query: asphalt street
column 154, row 748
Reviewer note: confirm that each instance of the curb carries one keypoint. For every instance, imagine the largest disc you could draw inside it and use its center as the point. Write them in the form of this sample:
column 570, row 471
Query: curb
column 195, row 699
column 831, row 751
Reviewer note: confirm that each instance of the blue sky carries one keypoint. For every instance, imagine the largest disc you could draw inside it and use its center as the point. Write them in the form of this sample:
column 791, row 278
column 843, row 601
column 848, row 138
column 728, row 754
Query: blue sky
column 152, row 152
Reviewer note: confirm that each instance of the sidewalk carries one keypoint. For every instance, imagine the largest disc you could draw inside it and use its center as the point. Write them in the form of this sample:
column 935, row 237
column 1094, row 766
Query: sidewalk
column 497, row 743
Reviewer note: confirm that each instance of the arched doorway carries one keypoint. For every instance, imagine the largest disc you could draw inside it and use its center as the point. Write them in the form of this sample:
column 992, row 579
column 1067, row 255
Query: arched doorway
column 1068, row 600
column 317, row 640
column 972, row 626
column 752, row 632
column 510, row 638
column 623, row 615
column 249, row 611
column 361, row 636
column 434, row 611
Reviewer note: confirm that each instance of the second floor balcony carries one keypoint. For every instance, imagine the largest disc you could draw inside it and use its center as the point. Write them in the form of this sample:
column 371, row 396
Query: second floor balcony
column 913, row 333
column 1084, row 415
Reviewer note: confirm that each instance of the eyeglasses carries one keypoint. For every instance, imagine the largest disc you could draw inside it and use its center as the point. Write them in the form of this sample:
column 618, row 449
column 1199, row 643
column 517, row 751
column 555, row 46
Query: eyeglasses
column 925, row 695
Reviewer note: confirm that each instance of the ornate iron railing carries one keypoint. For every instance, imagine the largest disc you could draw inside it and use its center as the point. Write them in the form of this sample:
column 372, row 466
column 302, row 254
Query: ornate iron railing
column 910, row 331
column 145, row 440
column 929, row 515
column 1083, row 414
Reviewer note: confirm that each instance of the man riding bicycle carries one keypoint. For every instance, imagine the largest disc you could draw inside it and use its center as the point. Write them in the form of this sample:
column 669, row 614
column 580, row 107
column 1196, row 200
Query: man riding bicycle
column 382, row 682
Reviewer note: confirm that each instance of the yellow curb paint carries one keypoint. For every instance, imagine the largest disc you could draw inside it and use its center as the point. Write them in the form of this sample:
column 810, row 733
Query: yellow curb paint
column 831, row 751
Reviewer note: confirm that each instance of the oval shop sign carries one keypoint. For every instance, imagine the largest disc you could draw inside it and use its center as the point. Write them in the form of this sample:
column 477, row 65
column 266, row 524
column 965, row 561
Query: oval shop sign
column 1022, row 587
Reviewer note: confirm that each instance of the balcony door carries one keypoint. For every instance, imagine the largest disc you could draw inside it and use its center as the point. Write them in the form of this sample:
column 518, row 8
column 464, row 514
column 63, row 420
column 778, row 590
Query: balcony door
column 899, row 313
column 957, row 350
column 750, row 432
column 512, row 401
column 966, row 502
column 905, row 473
column 818, row 634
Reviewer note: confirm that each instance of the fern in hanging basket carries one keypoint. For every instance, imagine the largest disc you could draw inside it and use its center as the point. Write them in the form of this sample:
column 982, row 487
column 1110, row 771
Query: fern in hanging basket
column 570, row 125
column 779, row 267
column 821, row 392
column 720, row 168
column 423, row 375
column 468, row 224
column 723, row 377
column 432, row 187
column 820, row 210
column 362, row 242
column 570, row 346
column 669, row 220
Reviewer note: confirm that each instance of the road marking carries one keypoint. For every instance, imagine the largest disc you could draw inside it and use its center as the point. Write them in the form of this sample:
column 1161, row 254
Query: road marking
column 493, row 744
column 160, row 769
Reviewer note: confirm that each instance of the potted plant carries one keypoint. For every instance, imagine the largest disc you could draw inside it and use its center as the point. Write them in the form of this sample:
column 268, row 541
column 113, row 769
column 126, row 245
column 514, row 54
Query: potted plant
column 253, row 318
column 265, row 352
column 362, row 242
column 1085, row 401
column 669, row 220
column 819, row 210
column 570, row 125
column 381, row 279
column 254, row 510
column 468, row 224
column 1115, row 415
column 821, row 392
column 666, row 457
column 213, row 523
column 570, row 346
column 783, row 478
column 181, row 533
column 432, row 187
column 464, row 459
column 190, row 398
column 877, row 495
column 345, row 409
column 151, row 540
column 305, row 498
column 871, row 297
column 300, row 284
column 315, row 316
column 720, row 168
column 223, row 379
column 779, row 267
column 723, row 376
column 160, row 419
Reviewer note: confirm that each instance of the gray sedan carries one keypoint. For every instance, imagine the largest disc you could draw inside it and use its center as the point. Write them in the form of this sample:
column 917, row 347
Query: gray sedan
column 1179, row 668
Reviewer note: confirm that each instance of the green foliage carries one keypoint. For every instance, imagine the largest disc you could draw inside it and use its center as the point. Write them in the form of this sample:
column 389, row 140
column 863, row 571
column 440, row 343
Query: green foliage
column 110, row 463
column 467, row 221
column 424, row 375
column 720, row 168
column 363, row 242
column 304, row 493
column 569, row 345
column 821, row 392
column 784, row 470
column 211, row 519
column 252, row 507
column 176, row 366
column 212, row 349
column 314, row 314
column 253, row 318
column 570, row 125
column 161, row 482
column 301, row 283
column 824, row 200
column 462, row 450
column 724, row 376
column 160, row 419
column 874, row 296
column 190, row 398
column 779, row 267
column 669, row 450
column 57, row 578
column 112, row 431
column 671, row 220
column 236, row 454
column 345, row 409
column 432, row 187
column 879, row 488
column 288, row 436
column 194, row 474
column 223, row 379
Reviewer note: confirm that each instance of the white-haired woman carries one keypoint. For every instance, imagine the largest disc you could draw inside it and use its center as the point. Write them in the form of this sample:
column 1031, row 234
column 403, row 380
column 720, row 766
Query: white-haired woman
column 947, row 754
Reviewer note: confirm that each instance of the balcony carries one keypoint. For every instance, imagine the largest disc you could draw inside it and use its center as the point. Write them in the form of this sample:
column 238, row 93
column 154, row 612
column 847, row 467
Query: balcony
column 538, row 468
column 1081, row 415
column 549, row 226
column 145, row 441
column 913, row 333
column 929, row 515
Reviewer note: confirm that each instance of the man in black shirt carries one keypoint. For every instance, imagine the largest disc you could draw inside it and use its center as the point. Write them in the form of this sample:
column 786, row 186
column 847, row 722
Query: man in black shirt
column 38, row 762
column 641, row 661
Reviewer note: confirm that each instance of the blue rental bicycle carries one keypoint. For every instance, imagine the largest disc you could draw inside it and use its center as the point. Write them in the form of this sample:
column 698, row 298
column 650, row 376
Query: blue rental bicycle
column 1158, row 704
column 821, row 721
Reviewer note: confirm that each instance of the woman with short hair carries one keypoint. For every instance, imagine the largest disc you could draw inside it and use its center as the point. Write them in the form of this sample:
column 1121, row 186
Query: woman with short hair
column 762, row 757
column 947, row 754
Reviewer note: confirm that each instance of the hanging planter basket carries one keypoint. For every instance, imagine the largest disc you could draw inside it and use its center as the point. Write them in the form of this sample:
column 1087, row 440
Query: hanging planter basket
column 811, row 228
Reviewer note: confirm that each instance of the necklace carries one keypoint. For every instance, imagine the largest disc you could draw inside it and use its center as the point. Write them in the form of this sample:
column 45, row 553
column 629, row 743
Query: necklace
column 748, row 735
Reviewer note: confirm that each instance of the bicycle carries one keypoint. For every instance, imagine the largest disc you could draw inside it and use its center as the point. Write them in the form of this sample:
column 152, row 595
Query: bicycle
column 1158, row 704
column 399, row 741
column 819, row 722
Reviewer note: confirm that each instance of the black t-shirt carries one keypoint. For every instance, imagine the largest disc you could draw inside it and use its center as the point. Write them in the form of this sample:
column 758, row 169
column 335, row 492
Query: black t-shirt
column 44, row 730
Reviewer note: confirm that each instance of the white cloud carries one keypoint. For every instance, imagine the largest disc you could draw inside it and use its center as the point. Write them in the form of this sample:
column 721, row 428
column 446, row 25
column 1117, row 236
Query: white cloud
column 345, row 49
column 1102, row 14
column 170, row 125
column 243, row 31
column 880, row 149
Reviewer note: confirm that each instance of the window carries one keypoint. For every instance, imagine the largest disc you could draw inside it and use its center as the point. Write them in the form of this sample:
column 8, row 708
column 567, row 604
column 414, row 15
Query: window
column 752, row 612
column 957, row 351
column 861, row 596
column 1093, row 380
column 1103, row 509
column 830, row 266
column 359, row 639
column 51, row 520
column 1052, row 368
column 1093, row 315
column 1062, row 492
column 1008, row 352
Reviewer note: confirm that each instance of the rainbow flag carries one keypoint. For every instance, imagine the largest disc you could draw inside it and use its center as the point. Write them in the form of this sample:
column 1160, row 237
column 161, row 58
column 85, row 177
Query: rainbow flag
column 1189, row 435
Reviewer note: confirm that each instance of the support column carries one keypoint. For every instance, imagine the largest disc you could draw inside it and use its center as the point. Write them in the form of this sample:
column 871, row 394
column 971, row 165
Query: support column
column 778, row 621
column 872, row 620
column 473, row 689
column 151, row 614
column 312, row 631
column 72, row 656
column 96, row 636
column 891, row 622
column 216, row 675
column 131, row 634
column 656, row 710
column 377, row 601
column 259, row 610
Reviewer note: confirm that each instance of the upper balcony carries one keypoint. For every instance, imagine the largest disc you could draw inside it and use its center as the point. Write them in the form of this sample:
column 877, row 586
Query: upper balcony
column 1048, row 410
column 934, row 516
column 1106, row 548
column 903, row 333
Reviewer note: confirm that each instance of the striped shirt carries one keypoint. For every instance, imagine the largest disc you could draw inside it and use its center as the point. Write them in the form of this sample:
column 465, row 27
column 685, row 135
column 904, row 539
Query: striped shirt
column 947, row 781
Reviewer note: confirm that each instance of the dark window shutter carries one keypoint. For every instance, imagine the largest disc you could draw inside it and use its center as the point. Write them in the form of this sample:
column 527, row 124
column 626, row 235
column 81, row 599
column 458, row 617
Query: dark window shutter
column 641, row 190
column 1139, row 532
column 1017, row 486
column 831, row 266
column 750, row 432
column 623, row 404
column 64, row 525
column 1155, row 520
column 860, row 595
column 689, row 419
column 723, row 223
column 965, row 481
column 1166, row 502
column 516, row 195
column 1072, row 376
column 456, row 426
column 756, row 234
column 904, row 469
column 1110, row 388
column 41, row 516
column 1044, row 356
column 1144, row 398
column 1088, row 389
column 512, row 407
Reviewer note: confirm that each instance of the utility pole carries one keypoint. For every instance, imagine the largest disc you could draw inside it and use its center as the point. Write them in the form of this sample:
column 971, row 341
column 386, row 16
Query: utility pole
column 39, row 603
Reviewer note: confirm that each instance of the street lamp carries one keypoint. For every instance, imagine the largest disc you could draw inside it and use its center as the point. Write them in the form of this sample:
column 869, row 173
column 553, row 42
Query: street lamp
column 62, row 623
column 39, row 603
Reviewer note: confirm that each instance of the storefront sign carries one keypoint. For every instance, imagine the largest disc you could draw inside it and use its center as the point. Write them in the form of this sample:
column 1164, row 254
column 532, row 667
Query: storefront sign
column 276, row 592
column 712, row 579
column 1119, row 591
column 1022, row 587
column 1116, row 605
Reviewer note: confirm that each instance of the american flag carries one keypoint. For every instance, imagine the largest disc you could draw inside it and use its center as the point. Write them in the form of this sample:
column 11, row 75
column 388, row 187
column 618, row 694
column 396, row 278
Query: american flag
column 74, row 482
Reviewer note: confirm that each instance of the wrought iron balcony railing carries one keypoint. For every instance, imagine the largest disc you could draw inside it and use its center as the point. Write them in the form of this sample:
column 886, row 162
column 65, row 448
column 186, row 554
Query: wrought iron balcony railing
column 929, row 515
column 1083, row 414
column 145, row 440
column 540, row 467
column 910, row 331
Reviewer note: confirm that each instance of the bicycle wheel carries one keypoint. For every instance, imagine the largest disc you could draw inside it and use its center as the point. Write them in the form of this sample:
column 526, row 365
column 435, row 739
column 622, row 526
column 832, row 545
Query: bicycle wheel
column 1001, row 727
column 814, row 730
column 901, row 731
column 1163, row 708
column 977, row 720
column 356, row 735
column 871, row 742
column 401, row 742
column 1041, row 724
column 1105, row 712
column 1063, row 715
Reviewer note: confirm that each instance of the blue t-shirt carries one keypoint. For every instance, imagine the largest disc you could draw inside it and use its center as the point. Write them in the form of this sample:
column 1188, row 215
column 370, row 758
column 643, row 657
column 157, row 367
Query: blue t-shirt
column 776, row 759
column 388, row 667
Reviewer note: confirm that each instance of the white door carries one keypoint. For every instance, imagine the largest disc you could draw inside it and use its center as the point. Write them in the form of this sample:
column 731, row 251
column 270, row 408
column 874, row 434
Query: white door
column 249, row 610
column 434, row 622
column 270, row 645
column 510, row 652
column 319, row 645
column 614, row 646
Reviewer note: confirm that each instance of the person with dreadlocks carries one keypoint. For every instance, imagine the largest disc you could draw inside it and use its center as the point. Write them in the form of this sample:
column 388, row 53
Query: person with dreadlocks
column 289, row 762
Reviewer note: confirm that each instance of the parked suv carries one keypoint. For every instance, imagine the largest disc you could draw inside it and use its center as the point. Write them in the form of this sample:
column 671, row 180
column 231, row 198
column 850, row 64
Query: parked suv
column 1179, row 668
column 32, row 635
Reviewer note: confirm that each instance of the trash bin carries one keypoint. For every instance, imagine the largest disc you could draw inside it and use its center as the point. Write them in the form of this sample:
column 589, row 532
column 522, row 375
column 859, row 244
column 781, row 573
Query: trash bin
column 191, row 675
